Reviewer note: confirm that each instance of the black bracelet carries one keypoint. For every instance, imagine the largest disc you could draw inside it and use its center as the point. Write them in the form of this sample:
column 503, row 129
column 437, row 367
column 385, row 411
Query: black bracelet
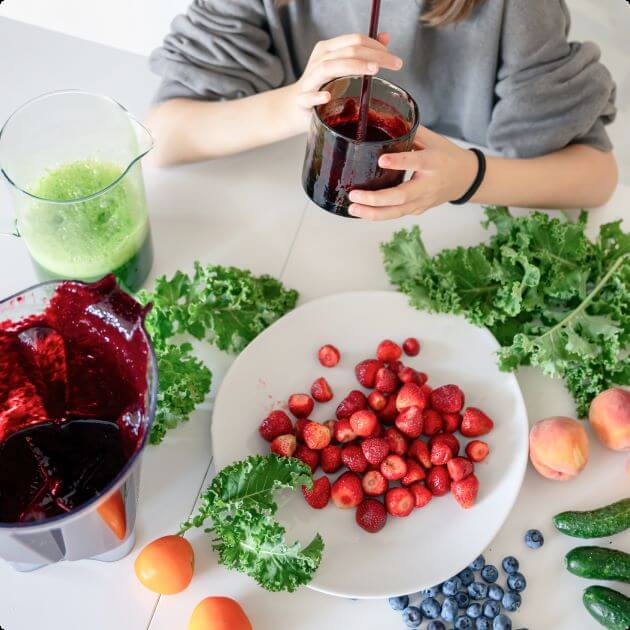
column 481, row 173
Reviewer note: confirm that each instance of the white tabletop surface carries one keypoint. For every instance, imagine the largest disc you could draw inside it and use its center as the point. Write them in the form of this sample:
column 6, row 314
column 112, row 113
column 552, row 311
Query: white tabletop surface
column 250, row 211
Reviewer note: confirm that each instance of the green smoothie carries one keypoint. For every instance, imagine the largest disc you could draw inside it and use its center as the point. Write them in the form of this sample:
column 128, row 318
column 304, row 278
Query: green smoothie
column 85, row 239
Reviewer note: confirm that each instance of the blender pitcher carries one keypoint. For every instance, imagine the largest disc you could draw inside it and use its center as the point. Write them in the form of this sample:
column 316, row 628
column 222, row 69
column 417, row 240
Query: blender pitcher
column 71, row 160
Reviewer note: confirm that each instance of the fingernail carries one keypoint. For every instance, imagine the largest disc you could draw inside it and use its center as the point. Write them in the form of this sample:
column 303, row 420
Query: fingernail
column 372, row 67
column 353, row 211
column 353, row 196
column 399, row 62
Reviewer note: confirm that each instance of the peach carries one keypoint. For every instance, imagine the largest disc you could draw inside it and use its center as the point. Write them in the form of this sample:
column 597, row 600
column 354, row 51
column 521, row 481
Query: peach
column 609, row 416
column 558, row 447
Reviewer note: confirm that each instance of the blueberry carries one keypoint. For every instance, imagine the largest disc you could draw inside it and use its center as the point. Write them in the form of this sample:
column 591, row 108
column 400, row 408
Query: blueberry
column 412, row 616
column 502, row 622
column 430, row 608
column 449, row 609
column 511, row 601
column 534, row 539
column 489, row 573
column 483, row 623
column 431, row 592
column 463, row 623
column 399, row 603
column 467, row 576
column 495, row 592
column 516, row 582
column 474, row 610
column 462, row 599
column 436, row 625
column 478, row 590
column 491, row 608
column 510, row 564
column 450, row 587
column 477, row 564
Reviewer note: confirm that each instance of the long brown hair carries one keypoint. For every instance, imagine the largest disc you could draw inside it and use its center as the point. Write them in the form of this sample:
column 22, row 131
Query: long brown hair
column 438, row 12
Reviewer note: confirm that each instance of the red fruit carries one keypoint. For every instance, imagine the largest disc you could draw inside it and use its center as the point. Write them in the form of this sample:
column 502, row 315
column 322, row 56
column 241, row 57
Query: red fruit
column 389, row 412
column 427, row 389
column 344, row 432
column 411, row 346
column 371, row 515
column 376, row 400
column 363, row 422
column 330, row 459
column 316, row 436
column 421, row 494
column 320, row 390
column 393, row 467
column 275, row 424
column 308, row 456
column 399, row 501
column 449, row 439
column 300, row 405
column 331, row 424
column 374, row 483
column 378, row 431
column 396, row 440
column 284, row 445
column 432, row 422
column 408, row 375
column 410, row 395
column 300, row 423
column 319, row 495
column 465, row 491
column 420, row 451
column 328, row 356
column 440, row 453
column 387, row 350
column 415, row 472
column 410, row 422
column 475, row 423
column 459, row 468
column 422, row 379
column 347, row 491
column 353, row 458
column 451, row 422
column 447, row 399
column 395, row 366
column 438, row 480
column 354, row 401
column 477, row 450
column 366, row 372
column 375, row 449
column 386, row 381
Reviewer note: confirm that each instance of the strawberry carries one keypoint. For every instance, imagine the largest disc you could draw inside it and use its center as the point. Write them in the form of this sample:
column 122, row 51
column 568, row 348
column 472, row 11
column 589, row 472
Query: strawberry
column 410, row 422
column 408, row 375
column 422, row 380
column 275, row 424
column 344, row 432
column 376, row 401
column 427, row 389
column 432, row 422
column 389, row 412
column 320, row 390
column 465, row 491
column 328, row 356
column 440, row 453
column 415, row 472
column 386, row 381
column 363, row 422
column 396, row 440
column 410, row 395
column 399, row 502
column 316, row 436
column 371, row 515
column 449, row 439
column 459, row 468
column 393, row 467
column 319, row 495
column 284, row 445
column 308, row 456
column 378, row 431
column 374, row 483
column 421, row 494
column 447, row 399
column 411, row 346
column 375, row 449
column 438, row 480
column 331, row 424
column 300, row 423
column 477, row 450
column 353, row 458
column 451, row 422
column 475, row 423
column 395, row 366
column 300, row 405
column 330, row 458
column 354, row 401
column 420, row 451
column 366, row 372
column 347, row 491
column 387, row 350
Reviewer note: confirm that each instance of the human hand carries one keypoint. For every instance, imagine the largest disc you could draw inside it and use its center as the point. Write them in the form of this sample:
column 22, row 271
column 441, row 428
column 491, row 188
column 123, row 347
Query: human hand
column 442, row 172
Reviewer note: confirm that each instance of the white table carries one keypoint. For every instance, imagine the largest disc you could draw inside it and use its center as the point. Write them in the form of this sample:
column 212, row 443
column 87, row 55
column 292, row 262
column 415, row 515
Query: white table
column 250, row 211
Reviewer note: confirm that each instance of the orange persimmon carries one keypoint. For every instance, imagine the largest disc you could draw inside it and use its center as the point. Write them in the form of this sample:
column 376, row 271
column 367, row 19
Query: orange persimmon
column 219, row 613
column 166, row 565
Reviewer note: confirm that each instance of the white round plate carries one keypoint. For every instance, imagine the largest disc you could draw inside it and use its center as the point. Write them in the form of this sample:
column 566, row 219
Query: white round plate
column 434, row 542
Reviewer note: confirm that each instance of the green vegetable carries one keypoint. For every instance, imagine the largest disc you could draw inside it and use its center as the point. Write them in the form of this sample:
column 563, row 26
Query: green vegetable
column 241, row 506
column 552, row 297
column 608, row 607
column 605, row 521
column 599, row 563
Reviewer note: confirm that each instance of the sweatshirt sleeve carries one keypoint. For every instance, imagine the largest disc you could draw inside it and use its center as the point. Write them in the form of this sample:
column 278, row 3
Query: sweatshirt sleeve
column 549, row 93
column 220, row 49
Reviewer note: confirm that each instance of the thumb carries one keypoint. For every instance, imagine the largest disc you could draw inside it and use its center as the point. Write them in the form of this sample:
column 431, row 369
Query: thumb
column 427, row 139
column 383, row 38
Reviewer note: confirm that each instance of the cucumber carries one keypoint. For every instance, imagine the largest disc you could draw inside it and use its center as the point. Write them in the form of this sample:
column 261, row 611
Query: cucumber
column 605, row 521
column 608, row 607
column 598, row 563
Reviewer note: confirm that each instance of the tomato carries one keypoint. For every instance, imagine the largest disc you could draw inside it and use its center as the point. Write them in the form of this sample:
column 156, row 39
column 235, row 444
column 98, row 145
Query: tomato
column 112, row 511
column 219, row 613
column 166, row 565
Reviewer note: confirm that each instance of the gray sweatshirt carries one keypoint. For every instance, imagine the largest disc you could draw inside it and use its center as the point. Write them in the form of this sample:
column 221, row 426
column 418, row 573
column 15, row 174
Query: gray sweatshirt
column 506, row 77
